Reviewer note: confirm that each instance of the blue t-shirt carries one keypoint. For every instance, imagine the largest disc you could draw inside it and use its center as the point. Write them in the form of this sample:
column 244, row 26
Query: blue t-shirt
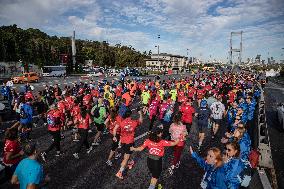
column 29, row 171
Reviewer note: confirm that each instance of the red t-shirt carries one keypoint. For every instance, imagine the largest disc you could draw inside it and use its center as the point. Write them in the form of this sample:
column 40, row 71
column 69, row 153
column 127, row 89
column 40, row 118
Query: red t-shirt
column 187, row 112
column 113, row 123
column 156, row 149
column 15, row 148
column 191, row 92
column 75, row 111
column 200, row 93
column 95, row 93
column 127, row 127
column 61, row 106
column 54, row 115
column 127, row 98
column 84, row 123
column 118, row 91
column 69, row 102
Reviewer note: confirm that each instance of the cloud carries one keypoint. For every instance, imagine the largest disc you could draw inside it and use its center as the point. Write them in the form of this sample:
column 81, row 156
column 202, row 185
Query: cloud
column 202, row 26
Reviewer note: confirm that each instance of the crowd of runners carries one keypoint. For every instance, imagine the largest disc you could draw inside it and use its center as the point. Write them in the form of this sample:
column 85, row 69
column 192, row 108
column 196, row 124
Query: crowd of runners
column 172, row 106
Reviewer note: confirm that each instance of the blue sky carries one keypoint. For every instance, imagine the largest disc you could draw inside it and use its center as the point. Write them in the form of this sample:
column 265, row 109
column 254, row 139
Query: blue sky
column 203, row 26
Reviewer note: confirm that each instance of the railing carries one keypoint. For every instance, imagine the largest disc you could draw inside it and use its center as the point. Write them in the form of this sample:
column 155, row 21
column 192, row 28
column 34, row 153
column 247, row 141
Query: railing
column 262, row 142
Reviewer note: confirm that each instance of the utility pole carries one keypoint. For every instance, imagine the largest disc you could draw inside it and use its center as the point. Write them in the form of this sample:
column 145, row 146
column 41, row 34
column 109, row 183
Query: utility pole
column 73, row 51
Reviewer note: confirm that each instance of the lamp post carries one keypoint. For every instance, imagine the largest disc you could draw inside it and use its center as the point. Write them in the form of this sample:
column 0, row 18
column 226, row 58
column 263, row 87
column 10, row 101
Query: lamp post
column 159, row 50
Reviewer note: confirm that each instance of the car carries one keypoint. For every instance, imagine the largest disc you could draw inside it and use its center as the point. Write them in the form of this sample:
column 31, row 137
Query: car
column 280, row 114
column 26, row 77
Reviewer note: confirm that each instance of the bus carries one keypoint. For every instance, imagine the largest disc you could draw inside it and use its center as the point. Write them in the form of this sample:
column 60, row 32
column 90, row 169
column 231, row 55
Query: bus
column 53, row 71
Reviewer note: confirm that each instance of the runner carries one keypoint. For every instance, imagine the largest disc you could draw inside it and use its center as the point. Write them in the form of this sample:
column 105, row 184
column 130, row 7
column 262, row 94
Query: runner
column 187, row 112
column 203, row 116
column 127, row 127
column 12, row 152
column 99, row 113
column 218, row 111
column 112, row 121
column 156, row 146
column 83, row 120
column 177, row 129
column 54, row 124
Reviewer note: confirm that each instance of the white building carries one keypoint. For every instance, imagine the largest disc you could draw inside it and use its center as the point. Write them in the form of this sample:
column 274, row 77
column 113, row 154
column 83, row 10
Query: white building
column 166, row 61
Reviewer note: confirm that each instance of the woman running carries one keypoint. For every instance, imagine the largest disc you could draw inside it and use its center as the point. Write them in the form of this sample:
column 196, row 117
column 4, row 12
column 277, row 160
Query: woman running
column 83, row 120
column 12, row 151
column 177, row 129
column 113, row 120
column 156, row 147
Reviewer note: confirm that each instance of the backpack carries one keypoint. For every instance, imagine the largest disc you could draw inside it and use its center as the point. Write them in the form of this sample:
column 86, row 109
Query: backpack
column 52, row 121
column 23, row 114
column 254, row 158
column 97, row 112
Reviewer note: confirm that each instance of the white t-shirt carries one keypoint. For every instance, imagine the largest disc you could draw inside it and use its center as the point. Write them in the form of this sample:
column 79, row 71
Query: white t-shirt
column 217, row 109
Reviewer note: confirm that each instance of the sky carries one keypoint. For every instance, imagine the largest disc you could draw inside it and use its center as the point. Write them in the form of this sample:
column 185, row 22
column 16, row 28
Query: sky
column 198, row 28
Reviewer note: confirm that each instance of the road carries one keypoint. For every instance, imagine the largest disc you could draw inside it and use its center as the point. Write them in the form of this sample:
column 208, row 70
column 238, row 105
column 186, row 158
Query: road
column 274, row 93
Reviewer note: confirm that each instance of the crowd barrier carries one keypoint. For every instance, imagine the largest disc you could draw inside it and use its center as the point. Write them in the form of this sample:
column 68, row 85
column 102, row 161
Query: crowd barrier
column 260, row 179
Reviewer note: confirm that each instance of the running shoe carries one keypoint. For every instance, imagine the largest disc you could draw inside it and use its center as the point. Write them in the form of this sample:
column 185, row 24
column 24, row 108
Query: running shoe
column 89, row 149
column 109, row 163
column 75, row 140
column 62, row 136
column 43, row 156
column 117, row 156
column 95, row 144
column 76, row 156
column 34, row 124
column 119, row 175
column 130, row 164
column 90, row 131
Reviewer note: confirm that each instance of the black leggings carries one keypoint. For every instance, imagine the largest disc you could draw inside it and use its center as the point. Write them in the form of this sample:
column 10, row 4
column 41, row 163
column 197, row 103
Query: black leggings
column 155, row 167
column 83, row 139
column 56, row 141
column 114, row 144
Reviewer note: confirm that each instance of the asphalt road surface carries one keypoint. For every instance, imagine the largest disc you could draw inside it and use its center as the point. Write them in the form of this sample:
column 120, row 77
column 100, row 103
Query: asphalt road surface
column 274, row 94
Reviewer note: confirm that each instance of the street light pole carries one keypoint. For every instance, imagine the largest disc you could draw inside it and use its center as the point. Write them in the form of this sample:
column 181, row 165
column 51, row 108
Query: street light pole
column 159, row 51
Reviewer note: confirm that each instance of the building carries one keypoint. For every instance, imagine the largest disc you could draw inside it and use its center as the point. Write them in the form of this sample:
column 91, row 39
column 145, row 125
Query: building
column 257, row 59
column 166, row 61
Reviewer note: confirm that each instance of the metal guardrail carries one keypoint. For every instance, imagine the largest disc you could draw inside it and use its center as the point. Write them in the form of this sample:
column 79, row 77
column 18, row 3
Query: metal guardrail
column 263, row 144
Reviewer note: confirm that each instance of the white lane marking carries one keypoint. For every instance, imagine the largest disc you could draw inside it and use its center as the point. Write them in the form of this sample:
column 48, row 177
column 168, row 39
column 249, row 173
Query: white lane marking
column 141, row 136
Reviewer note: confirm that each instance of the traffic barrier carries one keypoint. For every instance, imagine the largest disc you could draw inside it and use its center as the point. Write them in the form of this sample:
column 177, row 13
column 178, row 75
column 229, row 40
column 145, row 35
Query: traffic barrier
column 263, row 145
